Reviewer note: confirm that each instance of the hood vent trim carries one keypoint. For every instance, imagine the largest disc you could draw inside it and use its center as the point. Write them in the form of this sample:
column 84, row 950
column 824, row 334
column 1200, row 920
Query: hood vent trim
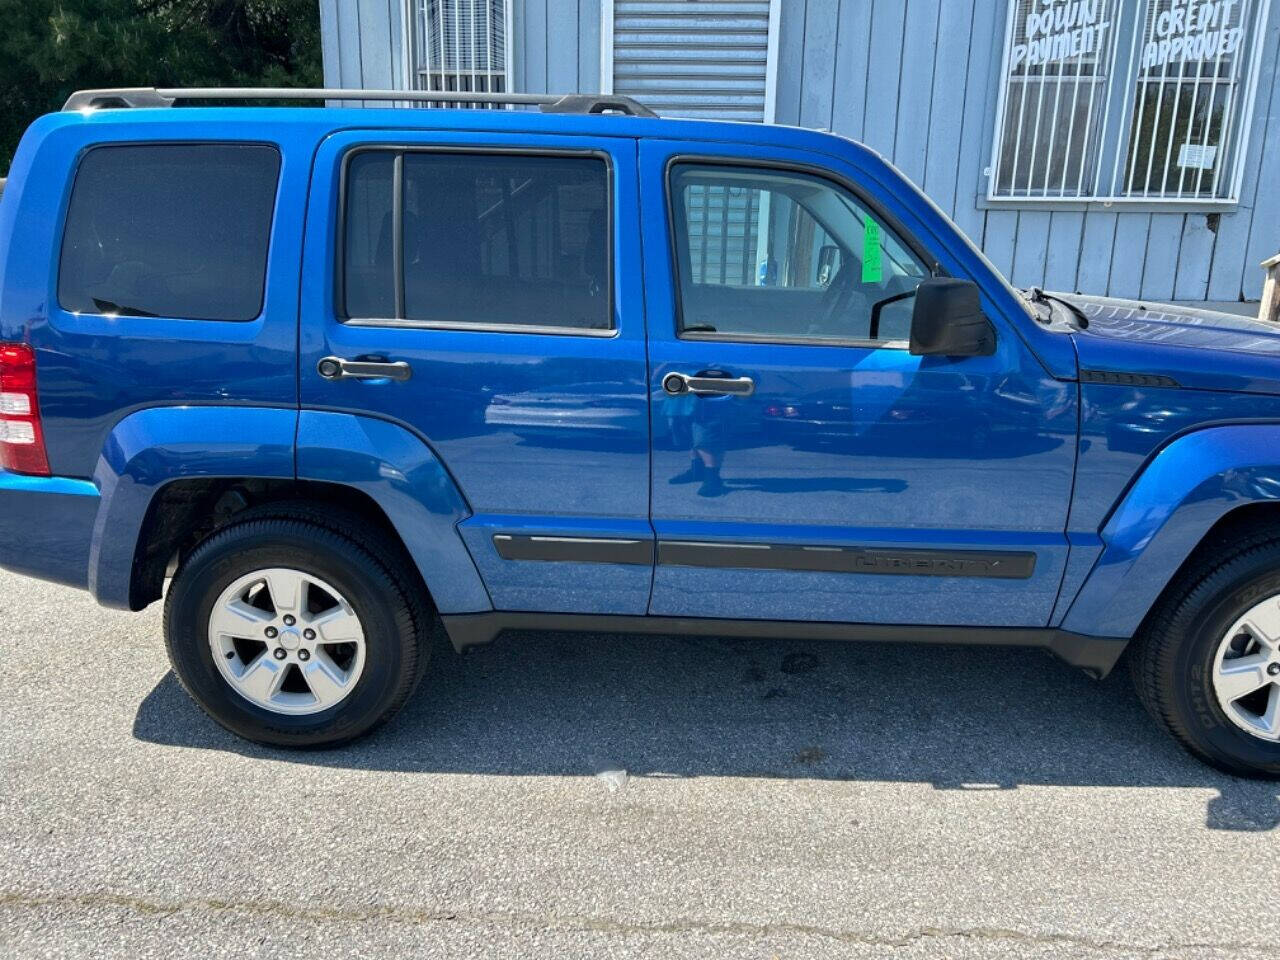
column 1116, row 378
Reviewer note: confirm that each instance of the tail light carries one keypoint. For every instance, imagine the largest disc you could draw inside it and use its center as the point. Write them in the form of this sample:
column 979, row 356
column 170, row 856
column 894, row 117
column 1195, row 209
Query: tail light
column 21, row 436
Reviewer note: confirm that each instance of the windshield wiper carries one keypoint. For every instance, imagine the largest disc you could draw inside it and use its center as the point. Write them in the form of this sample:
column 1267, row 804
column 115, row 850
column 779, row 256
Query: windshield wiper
column 1036, row 295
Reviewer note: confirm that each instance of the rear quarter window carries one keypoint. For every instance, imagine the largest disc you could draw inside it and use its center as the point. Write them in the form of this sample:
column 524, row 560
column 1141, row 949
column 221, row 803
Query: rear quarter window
column 170, row 230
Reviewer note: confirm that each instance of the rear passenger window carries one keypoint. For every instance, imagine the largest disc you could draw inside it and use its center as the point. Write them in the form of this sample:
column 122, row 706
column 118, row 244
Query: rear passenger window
column 486, row 240
column 170, row 230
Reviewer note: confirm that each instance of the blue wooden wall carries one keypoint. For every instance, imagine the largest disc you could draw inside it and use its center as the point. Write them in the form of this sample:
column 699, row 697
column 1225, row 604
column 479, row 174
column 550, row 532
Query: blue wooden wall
column 918, row 81
column 361, row 41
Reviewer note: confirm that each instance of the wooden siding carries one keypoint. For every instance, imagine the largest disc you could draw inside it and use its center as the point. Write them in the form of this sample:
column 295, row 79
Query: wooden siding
column 917, row 80
column 558, row 46
column 361, row 43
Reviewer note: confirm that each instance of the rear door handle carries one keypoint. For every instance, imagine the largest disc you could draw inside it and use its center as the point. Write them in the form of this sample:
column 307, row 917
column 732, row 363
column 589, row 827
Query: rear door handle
column 335, row 368
column 708, row 385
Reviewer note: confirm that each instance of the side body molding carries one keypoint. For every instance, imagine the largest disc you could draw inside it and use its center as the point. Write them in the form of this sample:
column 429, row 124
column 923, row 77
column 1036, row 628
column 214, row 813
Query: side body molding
column 1186, row 488
column 159, row 445
column 406, row 479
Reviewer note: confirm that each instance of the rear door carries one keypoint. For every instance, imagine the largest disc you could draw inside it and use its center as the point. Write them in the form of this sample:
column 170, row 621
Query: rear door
column 806, row 466
column 500, row 274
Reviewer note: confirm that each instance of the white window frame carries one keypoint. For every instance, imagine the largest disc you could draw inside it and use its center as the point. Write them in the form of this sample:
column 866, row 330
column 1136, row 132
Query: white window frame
column 1108, row 163
column 770, row 63
column 414, row 12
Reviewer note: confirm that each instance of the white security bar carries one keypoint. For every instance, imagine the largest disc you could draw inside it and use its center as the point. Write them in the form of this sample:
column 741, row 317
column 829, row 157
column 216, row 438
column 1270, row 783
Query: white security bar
column 1126, row 100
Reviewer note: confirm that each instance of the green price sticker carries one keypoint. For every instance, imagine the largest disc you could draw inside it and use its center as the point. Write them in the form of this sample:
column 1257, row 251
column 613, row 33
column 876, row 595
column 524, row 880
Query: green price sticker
column 872, row 272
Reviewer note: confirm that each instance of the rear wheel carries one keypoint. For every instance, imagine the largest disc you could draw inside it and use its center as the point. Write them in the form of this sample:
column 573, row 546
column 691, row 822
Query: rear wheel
column 287, row 641
column 291, row 634
column 1207, row 664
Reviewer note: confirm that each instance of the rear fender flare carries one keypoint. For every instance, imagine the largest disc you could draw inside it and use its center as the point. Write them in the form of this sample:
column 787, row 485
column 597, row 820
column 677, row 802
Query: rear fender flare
column 153, row 447
column 157, row 446
column 408, row 481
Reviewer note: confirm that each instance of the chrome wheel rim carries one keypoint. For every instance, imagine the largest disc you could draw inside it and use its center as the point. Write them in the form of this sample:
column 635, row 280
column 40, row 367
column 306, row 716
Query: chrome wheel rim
column 287, row 641
column 1246, row 671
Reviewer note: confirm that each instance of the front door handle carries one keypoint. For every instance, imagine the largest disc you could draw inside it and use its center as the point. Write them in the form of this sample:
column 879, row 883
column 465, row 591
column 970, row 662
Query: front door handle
column 708, row 385
column 335, row 368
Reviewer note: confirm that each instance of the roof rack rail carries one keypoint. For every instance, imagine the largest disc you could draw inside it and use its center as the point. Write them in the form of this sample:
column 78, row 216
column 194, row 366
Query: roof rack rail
column 130, row 97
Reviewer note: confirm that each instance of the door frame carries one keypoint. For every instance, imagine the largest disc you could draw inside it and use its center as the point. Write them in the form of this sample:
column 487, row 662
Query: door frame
column 500, row 535
column 722, row 553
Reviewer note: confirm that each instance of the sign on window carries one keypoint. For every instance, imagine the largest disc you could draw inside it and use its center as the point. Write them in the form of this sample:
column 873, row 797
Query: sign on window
column 1126, row 99
column 1189, row 73
column 1055, row 86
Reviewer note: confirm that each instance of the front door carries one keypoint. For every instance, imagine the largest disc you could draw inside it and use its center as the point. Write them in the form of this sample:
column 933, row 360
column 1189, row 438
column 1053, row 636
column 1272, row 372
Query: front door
column 806, row 466
column 498, row 271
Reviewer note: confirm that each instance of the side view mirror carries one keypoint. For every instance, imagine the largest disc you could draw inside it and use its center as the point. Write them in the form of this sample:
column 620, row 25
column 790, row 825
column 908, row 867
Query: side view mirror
column 948, row 320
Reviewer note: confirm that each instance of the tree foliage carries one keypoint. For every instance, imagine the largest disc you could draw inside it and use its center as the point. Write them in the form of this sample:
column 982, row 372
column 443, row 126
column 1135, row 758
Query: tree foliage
column 49, row 48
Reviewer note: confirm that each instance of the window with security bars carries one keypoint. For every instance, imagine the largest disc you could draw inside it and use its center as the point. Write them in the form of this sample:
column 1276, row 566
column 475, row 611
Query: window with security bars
column 460, row 45
column 1126, row 100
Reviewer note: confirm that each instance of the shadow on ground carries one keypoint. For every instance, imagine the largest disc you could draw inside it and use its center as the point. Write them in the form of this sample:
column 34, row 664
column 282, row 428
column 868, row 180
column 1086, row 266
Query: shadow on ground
column 960, row 718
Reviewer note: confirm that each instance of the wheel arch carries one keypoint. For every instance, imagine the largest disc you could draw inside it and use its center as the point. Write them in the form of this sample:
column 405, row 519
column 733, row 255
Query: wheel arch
column 1196, row 493
column 185, row 513
column 169, row 477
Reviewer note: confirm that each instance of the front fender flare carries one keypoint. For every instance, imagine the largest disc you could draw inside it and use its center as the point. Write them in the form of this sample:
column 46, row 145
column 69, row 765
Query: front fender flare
column 1184, row 490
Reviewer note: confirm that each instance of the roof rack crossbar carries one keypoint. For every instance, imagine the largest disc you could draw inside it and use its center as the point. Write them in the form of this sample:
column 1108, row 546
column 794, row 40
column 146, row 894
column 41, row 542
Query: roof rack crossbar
column 130, row 97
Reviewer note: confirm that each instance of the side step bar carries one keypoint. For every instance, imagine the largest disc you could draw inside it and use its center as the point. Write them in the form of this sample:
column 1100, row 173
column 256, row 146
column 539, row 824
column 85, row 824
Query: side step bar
column 1094, row 655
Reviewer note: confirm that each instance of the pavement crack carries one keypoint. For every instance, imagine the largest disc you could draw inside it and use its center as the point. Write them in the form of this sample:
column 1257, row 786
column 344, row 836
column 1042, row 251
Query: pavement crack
column 20, row 900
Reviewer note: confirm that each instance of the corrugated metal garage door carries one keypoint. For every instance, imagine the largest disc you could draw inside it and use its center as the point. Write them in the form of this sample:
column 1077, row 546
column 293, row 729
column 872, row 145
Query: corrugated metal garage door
column 693, row 58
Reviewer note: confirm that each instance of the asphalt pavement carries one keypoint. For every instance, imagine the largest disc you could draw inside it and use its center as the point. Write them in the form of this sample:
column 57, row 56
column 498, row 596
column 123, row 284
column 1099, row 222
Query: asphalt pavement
column 597, row 796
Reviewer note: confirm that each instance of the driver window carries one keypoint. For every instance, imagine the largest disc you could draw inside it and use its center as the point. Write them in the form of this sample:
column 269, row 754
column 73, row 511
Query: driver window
column 773, row 255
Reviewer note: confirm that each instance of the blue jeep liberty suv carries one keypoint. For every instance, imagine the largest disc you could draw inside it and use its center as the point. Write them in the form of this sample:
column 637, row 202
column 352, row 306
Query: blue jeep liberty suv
column 345, row 377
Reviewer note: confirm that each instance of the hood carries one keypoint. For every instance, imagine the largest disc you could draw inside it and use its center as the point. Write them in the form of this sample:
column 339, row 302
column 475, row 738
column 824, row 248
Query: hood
column 1181, row 326
column 1204, row 349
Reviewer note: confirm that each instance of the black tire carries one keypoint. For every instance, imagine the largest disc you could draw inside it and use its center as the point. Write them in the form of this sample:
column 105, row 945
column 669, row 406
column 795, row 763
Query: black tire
column 1173, row 656
column 395, row 636
column 389, row 551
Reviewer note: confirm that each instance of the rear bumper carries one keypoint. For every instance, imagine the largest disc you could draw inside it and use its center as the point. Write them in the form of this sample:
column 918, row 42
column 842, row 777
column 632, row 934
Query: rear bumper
column 46, row 527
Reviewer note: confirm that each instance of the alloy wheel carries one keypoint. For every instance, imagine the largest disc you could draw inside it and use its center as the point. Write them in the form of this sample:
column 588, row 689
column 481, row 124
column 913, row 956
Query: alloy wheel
column 1246, row 671
column 287, row 641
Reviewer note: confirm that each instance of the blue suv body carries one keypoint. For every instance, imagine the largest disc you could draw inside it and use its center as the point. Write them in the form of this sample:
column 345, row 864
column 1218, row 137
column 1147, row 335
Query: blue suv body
column 348, row 374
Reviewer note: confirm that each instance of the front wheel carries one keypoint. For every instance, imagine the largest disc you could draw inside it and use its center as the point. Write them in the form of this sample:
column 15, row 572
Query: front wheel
column 1207, row 663
column 290, row 634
